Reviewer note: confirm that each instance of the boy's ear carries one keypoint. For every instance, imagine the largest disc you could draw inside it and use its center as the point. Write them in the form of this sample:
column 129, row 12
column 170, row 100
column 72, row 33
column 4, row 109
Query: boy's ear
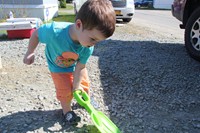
column 79, row 24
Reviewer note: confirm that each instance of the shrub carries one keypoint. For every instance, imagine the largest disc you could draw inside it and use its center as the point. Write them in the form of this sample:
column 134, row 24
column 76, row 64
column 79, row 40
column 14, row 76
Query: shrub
column 63, row 3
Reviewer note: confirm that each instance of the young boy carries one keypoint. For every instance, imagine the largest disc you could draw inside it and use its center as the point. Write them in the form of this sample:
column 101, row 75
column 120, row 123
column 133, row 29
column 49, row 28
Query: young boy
column 68, row 47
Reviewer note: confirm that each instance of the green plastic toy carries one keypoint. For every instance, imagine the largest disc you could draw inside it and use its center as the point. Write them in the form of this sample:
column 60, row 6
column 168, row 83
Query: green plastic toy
column 100, row 120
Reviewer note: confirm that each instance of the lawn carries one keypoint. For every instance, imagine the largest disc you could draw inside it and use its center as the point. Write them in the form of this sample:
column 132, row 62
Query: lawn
column 65, row 14
column 64, row 18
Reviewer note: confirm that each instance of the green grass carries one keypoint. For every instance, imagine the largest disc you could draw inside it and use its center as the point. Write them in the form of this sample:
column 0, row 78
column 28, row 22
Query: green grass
column 2, row 31
column 65, row 18
column 65, row 14
column 2, row 20
column 68, row 7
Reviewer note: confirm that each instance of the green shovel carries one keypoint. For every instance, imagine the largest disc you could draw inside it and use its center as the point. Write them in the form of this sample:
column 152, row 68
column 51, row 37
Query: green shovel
column 100, row 120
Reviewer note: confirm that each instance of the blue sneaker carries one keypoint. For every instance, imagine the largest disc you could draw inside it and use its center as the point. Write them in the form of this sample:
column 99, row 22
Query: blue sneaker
column 71, row 118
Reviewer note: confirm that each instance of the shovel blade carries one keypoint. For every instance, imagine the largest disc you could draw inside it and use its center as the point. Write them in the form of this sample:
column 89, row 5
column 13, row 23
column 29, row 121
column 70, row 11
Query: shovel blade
column 103, row 123
column 100, row 120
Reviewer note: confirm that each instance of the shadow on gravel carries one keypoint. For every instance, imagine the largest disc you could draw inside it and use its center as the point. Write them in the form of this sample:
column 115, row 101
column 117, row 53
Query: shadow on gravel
column 43, row 121
column 150, row 86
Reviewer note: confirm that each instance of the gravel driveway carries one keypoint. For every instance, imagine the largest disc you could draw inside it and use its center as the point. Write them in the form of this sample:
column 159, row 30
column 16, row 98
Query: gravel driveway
column 142, row 79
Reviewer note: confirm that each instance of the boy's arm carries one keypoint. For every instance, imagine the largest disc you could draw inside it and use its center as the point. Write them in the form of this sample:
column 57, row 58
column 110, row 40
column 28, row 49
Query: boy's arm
column 79, row 73
column 33, row 43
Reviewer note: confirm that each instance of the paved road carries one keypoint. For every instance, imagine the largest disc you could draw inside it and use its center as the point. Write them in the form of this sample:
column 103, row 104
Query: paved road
column 161, row 20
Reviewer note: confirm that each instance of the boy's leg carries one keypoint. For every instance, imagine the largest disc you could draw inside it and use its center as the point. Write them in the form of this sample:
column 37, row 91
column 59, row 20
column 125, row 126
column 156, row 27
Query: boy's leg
column 63, row 85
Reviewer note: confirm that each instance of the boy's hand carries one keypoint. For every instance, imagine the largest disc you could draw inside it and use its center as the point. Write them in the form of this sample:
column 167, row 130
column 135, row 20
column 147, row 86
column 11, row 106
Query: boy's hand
column 29, row 58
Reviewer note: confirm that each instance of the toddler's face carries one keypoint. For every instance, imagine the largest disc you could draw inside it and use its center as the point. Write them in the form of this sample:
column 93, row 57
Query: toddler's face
column 88, row 38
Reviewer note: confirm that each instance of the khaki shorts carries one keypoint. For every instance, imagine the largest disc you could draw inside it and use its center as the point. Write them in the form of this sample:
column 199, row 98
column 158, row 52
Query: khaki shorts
column 63, row 84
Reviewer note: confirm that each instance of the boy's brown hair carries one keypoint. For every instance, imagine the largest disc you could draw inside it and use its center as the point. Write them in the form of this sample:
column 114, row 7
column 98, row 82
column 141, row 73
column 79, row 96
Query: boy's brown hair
column 98, row 14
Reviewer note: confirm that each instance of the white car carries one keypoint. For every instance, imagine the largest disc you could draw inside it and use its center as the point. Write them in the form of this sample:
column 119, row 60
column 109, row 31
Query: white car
column 124, row 9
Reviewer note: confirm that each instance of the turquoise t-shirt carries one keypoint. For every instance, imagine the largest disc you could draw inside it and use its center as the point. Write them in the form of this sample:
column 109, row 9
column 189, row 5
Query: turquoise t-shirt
column 61, row 52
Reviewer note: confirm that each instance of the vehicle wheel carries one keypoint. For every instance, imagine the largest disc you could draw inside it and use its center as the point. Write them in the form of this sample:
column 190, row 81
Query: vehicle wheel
column 127, row 20
column 192, row 35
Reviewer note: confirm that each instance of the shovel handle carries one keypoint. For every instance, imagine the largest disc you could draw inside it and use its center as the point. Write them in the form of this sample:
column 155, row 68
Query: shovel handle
column 81, row 97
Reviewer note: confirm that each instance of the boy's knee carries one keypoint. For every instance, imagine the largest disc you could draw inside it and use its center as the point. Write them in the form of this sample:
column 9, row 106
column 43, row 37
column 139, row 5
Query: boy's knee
column 64, row 97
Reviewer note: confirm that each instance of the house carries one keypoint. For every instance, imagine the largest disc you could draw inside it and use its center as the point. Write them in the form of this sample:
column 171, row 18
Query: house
column 43, row 9
column 162, row 4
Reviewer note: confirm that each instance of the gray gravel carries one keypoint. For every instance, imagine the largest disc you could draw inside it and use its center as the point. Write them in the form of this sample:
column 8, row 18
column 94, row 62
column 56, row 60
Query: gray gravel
column 143, row 80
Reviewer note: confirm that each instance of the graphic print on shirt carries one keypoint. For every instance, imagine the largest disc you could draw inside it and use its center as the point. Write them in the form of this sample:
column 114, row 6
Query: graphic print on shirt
column 66, row 59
